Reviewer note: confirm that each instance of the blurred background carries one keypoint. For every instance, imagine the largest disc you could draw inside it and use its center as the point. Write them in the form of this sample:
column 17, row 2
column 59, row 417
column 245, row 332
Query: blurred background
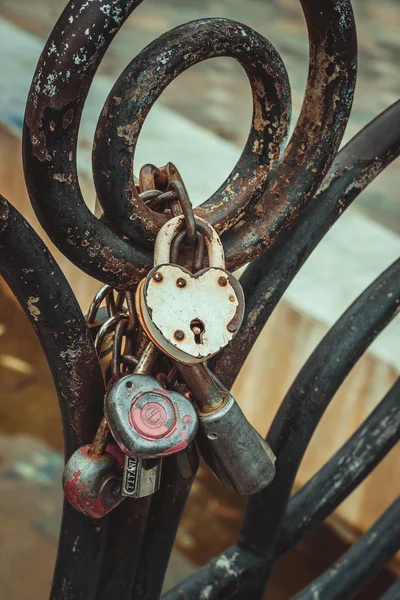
column 201, row 123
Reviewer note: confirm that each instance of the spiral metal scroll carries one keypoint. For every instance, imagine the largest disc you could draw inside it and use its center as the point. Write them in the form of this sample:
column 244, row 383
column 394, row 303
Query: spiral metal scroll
column 273, row 209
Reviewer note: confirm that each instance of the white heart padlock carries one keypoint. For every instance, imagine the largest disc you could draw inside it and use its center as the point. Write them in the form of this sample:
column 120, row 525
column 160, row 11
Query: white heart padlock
column 190, row 316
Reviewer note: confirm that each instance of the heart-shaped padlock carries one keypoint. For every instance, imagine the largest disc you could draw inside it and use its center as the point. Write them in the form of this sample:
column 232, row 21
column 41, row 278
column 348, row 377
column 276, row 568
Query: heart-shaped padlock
column 189, row 316
column 146, row 420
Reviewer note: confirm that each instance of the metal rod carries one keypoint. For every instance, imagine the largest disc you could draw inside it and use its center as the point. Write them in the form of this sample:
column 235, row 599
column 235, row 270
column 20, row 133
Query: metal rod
column 309, row 396
column 321, row 495
column 100, row 439
column 50, row 138
column 126, row 528
column 169, row 56
column 47, row 299
column 127, row 524
column 316, row 137
column 147, row 359
column 222, row 577
column 393, row 593
column 353, row 571
column 343, row 472
column 165, row 514
column 266, row 279
column 203, row 387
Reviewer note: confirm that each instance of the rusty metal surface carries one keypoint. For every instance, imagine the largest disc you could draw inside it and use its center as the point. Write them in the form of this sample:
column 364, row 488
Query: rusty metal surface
column 289, row 436
column 273, row 210
column 47, row 299
column 266, row 278
column 57, row 96
column 316, row 137
column 139, row 86
column 60, row 86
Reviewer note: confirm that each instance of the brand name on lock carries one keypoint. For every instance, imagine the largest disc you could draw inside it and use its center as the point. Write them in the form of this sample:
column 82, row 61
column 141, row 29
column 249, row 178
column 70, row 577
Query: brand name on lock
column 130, row 476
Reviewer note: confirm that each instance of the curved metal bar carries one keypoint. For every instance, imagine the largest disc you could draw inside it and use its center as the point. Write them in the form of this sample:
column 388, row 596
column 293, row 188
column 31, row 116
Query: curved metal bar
column 142, row 532
column 320, row 496
column 47, row 299
column 233, row 570
column 139, row 86
column 361, row 562
column 55, row 103
column 289, row 436
column 59, row 89
column 316, row 137
column 393, row 593
column 127, row 524
column 266, row 279
column 307, row 400
column 165, row 514
column 314, row 501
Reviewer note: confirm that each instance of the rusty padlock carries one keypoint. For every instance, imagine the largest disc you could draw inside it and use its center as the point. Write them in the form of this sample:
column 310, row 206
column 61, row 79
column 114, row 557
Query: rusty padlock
column 189, row 316
column 92, row 483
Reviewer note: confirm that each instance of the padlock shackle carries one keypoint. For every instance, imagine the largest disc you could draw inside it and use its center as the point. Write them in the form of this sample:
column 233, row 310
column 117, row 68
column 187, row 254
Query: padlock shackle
column 175, row 225
column 101, row 295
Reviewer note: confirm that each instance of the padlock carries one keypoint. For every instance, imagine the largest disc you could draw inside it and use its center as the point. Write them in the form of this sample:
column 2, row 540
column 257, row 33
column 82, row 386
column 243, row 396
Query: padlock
column 189, row 316
column 237, row 454
column 146, row 420
column 92, row 483
column 141, row 476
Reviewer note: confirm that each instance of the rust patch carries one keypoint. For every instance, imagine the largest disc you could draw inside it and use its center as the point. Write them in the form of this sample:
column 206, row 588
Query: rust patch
column 32, row 308
column 4, row 213
column 68, row 118
column 62, row 178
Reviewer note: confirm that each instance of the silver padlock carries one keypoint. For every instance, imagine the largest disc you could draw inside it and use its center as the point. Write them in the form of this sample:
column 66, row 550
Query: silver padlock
column 237, row 454
column 141, row 477
column 147, row 421
column 189, row 316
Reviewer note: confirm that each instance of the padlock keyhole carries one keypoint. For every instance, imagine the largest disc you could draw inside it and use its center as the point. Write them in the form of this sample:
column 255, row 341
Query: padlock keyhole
column 198, row 329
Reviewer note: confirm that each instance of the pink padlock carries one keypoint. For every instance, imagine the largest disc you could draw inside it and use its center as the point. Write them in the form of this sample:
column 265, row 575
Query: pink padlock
column 146, row 420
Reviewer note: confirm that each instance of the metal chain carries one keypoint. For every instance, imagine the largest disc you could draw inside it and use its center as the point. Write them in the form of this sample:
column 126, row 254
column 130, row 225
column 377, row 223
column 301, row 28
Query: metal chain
column 163, row 189
column 137, row 355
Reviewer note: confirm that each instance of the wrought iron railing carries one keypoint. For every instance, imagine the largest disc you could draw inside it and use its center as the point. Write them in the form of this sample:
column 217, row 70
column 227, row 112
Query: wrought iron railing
column 272, row 211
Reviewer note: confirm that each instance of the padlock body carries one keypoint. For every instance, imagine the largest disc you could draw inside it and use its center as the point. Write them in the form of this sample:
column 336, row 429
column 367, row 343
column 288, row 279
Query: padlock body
column 92, row 484
column 146, row 420
column 141, row 477
column 190, row 317
column 236, row 453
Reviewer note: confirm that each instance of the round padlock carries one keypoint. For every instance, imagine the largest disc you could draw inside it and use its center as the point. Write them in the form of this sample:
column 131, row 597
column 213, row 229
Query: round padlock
column 146, row 420
column 189, row 316
column 92, row 483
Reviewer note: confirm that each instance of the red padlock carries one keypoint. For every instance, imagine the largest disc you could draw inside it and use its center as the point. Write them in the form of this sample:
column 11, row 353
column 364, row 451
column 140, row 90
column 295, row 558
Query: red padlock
column 92, row 483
